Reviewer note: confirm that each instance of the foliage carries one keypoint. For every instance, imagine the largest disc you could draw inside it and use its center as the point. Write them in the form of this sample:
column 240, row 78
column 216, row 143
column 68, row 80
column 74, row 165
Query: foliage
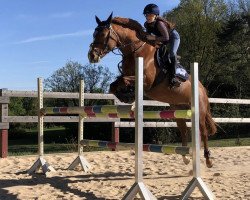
column 66, row 79
column 20, row 106
column 16, row 107
column 215, row 33
column 198, row 22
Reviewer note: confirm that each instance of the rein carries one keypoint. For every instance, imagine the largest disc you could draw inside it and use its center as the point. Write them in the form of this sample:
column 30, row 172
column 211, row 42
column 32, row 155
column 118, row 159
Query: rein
column 123, row 46
column 118, row 41
column 121, row 54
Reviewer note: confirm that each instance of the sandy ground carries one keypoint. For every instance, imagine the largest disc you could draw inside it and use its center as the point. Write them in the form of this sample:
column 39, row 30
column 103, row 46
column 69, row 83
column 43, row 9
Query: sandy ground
column 112, row 175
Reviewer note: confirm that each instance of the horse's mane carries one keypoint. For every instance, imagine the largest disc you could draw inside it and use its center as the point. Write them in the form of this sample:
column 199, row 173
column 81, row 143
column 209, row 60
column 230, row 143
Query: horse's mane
column 131, row 24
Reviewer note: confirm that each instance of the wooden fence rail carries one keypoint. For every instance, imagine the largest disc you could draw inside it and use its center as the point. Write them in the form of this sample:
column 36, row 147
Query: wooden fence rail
column 5, row 119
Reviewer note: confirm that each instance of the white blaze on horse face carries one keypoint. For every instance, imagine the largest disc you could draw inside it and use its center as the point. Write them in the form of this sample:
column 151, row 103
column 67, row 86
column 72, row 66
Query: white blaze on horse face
column 93, row 55
column 98, row 59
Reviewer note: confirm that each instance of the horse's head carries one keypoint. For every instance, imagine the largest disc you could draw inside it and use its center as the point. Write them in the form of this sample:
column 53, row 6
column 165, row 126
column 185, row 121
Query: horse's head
column 124, row 89
column 104, row 40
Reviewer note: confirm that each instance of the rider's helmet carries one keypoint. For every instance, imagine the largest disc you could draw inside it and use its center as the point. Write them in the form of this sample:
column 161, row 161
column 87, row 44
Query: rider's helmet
column 151, row 9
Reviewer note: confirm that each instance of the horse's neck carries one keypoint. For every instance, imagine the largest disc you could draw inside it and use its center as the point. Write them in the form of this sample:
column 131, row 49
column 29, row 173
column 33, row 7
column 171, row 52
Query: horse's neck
column 137, row 48
column 129, row 40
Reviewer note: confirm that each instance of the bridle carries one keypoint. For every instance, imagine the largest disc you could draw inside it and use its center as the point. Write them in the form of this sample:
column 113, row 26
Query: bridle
column 106, row 47
column 118, row 47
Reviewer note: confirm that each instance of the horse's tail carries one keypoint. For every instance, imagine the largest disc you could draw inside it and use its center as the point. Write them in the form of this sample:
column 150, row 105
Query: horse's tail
column 210, row 123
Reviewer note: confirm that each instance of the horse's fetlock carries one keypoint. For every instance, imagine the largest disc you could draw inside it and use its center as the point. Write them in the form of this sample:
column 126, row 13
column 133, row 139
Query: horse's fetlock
column 207, row 153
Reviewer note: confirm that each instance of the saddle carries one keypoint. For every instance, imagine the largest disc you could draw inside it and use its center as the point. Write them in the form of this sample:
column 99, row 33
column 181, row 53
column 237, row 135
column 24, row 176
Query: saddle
column 163, row 60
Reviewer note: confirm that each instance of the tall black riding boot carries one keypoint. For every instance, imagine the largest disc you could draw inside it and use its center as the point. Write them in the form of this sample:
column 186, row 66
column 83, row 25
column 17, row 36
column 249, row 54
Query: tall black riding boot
column 173, row 81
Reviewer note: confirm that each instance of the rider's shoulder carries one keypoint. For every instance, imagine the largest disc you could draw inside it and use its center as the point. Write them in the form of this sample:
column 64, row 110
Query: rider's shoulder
column 160, row 23
column 160, row 19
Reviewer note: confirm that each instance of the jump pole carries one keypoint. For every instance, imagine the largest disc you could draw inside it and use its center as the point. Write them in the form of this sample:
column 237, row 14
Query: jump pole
column 139, row 186
column 165, row 149
column 80, row 159
column 41, row 162
column 196, row 181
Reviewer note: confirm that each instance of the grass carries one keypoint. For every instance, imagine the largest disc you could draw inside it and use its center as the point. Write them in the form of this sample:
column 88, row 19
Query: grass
column 29, row 137
column 55, row 141
column 19, row 150
column 229, row 142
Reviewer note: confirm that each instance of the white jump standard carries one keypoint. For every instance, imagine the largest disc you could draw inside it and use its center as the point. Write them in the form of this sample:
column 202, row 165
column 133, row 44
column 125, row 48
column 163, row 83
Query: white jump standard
column 41, row 162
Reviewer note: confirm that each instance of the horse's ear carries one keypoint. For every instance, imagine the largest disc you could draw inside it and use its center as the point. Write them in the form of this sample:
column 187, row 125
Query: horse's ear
column 98, row 21
column 109, row 18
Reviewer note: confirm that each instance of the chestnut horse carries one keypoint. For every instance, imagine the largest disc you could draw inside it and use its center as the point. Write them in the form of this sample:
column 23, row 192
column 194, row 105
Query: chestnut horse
column 128, row 36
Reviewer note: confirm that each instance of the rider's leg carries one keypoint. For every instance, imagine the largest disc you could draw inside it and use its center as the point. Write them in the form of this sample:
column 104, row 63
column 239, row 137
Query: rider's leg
column 173, row 80
column 174, row 45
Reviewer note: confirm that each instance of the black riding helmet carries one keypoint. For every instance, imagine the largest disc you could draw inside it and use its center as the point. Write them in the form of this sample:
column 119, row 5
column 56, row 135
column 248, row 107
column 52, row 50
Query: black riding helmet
column 151, row 9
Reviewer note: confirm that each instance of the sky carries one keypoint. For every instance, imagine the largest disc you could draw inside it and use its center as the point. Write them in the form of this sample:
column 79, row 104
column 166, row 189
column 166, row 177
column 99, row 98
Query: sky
column 38, row 37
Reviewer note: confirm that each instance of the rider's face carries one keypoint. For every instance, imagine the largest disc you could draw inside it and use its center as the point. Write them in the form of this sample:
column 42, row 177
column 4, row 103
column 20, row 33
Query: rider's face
column 150, row 17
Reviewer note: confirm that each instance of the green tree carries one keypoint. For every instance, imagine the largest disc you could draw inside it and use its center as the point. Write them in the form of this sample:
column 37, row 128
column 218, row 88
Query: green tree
column 16, row 107
column 198, row 22
column 234, row 41
column 21, row 106
column 96, row 77
column 215, row 33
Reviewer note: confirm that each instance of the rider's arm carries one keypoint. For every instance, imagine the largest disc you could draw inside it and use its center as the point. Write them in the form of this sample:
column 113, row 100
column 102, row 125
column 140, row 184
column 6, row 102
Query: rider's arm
column 164, row 32
column 146, row 27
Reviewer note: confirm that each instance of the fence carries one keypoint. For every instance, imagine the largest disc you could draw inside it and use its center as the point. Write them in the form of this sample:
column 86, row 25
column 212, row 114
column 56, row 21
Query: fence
column 5, row 119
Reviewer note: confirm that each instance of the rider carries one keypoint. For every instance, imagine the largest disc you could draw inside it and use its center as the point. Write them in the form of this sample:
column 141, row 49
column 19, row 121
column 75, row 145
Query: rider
column 163, row 32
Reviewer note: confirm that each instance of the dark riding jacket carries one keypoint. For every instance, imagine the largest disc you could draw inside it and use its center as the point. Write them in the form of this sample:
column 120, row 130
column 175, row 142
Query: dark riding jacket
column 159, row 29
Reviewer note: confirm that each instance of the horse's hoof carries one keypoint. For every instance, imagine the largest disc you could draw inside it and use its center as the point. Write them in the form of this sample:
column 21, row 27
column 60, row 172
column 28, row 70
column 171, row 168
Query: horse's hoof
column 209, row 163
column 185, row 160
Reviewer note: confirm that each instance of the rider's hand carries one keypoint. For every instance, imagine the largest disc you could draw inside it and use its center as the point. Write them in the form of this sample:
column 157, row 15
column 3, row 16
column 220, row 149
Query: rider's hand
column 150, row 37
column 158, row 44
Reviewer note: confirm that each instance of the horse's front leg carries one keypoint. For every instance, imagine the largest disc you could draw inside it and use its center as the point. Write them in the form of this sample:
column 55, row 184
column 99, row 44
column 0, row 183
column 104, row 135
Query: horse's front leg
column 181, row 124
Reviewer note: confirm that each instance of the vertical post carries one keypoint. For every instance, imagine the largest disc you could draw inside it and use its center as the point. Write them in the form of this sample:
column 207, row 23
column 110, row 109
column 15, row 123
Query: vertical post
column 139, row 121
column 115, row 133
column 139, row 186
column 81, row 119
column 41, row 162
column 4, row 125
column 40, row 117
column 195, row 120
column 196, row 181
column 3, row 143
column 80, row 159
